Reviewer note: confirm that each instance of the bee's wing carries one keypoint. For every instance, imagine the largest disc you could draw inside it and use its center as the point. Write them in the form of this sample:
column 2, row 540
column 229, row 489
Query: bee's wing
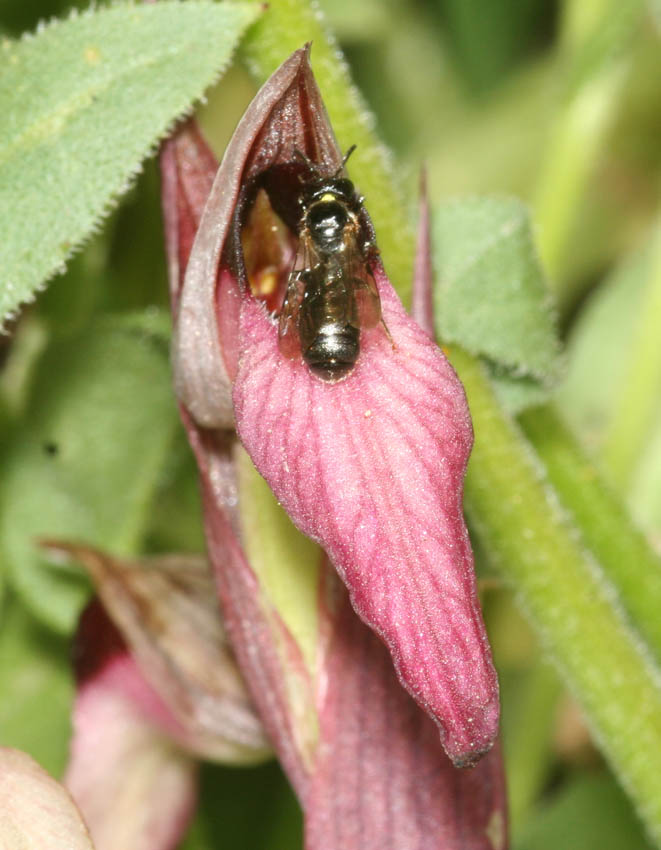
column 366, row 292
column 289, row 341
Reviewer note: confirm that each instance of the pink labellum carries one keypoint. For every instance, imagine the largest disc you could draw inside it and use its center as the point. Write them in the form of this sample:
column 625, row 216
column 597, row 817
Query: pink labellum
column 382, row 780
column 134, row 788
column 372, row 468
column 376, row 775
column 37, row 812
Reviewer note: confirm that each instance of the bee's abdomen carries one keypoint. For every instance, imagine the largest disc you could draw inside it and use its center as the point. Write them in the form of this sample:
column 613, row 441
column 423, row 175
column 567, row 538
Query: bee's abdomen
column 333, row 352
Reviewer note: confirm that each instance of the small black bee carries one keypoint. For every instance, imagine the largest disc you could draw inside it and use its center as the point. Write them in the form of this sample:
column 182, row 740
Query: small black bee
column 331, row 293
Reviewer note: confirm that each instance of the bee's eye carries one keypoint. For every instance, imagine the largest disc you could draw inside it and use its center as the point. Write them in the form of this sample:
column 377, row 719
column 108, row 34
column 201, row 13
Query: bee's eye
column 344, row 187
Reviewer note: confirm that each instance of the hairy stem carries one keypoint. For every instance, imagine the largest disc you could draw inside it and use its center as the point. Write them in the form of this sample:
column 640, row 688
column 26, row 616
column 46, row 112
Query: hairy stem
column 604, row 522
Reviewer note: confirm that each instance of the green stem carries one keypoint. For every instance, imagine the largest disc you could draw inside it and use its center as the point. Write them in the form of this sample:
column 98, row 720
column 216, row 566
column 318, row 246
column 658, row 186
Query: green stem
column 605, row 524
column 287, row 25
column 639, row 399
column 565, row 594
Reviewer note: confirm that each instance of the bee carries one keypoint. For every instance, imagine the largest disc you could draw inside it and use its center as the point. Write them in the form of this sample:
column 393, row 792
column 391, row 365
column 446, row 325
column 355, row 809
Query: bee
column 331, row 293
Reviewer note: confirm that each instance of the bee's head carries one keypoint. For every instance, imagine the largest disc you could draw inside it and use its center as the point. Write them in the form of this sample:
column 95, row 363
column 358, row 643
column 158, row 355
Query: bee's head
column 327, row 188
column 326, row 215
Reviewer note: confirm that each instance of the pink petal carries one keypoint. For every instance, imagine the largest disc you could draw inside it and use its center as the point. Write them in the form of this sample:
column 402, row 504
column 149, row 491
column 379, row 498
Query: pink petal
column 372, row 468
column 200, row 372
column 36, row 813
column 135, row 790
column 382, row 780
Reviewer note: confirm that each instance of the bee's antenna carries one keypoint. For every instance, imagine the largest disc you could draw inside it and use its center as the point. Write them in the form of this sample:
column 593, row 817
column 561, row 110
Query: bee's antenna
column 344, row 160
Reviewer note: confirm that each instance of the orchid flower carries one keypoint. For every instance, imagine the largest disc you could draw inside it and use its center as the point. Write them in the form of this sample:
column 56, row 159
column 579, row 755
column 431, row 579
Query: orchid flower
column 371, row 467
column 365, row 761
column 157, row 689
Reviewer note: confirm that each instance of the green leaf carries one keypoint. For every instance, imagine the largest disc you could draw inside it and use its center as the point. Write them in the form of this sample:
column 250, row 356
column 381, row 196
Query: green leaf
column 35, row 687
column 83, row 101
column 85, row 461
column 491, row 296
column 516, row 392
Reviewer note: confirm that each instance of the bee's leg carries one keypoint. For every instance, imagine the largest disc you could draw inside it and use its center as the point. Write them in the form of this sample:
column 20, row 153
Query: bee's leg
column 308, row 163
column 388, row 334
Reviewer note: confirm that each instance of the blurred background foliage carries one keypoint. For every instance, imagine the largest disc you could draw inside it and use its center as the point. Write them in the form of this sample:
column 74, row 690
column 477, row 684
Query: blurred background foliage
column 557, row 103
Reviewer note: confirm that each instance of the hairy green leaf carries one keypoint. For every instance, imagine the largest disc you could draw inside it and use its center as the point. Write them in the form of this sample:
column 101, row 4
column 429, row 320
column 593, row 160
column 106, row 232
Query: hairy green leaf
column 491, row 295
column 84, row 462
column 83, row 101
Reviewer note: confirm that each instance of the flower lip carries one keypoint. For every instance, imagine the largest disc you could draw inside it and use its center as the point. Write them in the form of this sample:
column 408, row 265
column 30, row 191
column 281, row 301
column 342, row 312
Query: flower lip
column 372, row 468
